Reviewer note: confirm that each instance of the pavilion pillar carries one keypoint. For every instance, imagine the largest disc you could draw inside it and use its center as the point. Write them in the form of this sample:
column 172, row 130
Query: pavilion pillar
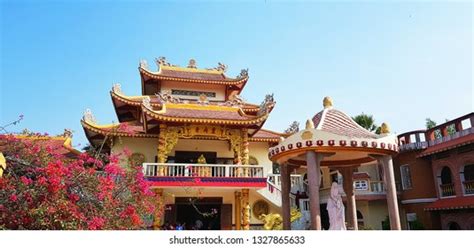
column 313, row 162
column 285, row 195
column 245, row 210
column 348, row 185
column 392, row 202
column 237, row 210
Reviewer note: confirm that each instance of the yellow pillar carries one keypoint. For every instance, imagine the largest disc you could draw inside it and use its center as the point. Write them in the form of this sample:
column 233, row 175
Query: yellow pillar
column 245, row 150
column 158, row 220
column 237, row 210
column 245, row 210
column 162, row 149
column 3, row 164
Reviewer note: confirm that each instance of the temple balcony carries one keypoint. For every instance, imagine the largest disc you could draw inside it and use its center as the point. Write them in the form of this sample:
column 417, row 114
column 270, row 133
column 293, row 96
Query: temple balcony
column 204, row 175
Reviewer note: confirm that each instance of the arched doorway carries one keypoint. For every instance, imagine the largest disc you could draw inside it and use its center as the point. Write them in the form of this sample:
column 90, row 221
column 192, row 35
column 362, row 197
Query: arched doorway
column 446, row 182
column 360, row 219
column 467, row 177
column 453, row 226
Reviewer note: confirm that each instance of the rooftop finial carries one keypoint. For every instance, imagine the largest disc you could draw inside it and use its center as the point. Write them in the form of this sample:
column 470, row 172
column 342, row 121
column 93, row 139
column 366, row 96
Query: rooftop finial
column 309, row 124
column 192, row 64
column 327, row 102
column 384, row 129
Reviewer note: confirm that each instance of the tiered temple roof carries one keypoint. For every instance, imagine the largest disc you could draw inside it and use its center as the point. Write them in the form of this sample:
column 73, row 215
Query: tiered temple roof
column 140, row 116
column 151, row 81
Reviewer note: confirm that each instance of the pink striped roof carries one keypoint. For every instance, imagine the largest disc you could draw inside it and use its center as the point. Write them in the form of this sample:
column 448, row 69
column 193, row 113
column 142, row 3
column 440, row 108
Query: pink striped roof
column 337, row 122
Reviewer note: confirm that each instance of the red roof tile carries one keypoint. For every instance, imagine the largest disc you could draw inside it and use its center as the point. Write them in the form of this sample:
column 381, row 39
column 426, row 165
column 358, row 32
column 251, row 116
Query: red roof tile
column 451, row 203
column 266, row 134
column 337, row 122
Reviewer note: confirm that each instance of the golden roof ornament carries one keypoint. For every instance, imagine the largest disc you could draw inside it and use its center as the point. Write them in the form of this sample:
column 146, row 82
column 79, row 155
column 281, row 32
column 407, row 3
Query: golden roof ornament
column 88, row 117
column 143, row 64
column 146, row 102
column 192, row 64
column 221, row 67
column 384, row 128
column 117, row 88
column 67, row 133
column 327, row 102
column 309, row 124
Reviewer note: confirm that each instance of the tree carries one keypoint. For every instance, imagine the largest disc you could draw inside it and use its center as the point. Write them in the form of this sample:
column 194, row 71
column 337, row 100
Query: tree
column 367, row 122
column 43, row 189
column 431, row 124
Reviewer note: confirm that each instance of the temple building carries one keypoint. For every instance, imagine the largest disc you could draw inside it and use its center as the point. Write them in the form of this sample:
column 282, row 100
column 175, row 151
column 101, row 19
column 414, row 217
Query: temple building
column 204, row 151
column 436, row 171
column 202, row 147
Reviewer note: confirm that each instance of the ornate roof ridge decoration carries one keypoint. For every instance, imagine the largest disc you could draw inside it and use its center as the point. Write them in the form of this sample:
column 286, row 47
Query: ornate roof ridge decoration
column 293, row 128
column 244, row 73
column 164, row 66
column 117, row 88
column 234, row 101
column 131, row 100
column 161, row 115
column 146, row 102
column 89, row 117
column 167, row 97
column 267, row 105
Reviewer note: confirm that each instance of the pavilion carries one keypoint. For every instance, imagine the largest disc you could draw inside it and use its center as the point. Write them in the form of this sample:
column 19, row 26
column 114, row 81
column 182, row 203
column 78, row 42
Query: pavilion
column 332, row 139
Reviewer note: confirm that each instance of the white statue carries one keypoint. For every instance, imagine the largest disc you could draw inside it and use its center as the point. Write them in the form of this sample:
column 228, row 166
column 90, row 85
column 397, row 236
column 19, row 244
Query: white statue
column 337, row 220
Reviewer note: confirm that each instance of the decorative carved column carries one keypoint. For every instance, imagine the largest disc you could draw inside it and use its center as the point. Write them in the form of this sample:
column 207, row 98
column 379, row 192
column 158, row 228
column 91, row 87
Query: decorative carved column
column 157, row 219
column 235, row 139
column 245, row 209
column 313, row 162
column 348, row 185
column 245, row 150
column 168, row 138
column 161, row 149
column 392, row 202
column 237, row 210
column 285, row 195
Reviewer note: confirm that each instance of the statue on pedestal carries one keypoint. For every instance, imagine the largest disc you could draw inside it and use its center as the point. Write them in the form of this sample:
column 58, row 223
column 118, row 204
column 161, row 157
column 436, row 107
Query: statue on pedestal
column 336, row 209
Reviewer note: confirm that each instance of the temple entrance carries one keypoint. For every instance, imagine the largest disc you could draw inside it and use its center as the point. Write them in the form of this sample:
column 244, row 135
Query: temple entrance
column 208, row 213
column 192, row 157
column 199, row 216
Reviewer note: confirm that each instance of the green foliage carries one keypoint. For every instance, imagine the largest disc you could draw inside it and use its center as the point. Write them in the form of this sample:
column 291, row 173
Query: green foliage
column 416, row 225
column 386, row 224
column 430, row 123
column 366, row 121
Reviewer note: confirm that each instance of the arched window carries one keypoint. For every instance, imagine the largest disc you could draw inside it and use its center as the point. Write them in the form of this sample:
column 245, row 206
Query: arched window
column 446, row 183
column 446, row 175
column 467, row 177
column 453, row 226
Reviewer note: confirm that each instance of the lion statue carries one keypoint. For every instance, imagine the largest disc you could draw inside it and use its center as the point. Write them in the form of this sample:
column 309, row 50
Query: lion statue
column 275, row 221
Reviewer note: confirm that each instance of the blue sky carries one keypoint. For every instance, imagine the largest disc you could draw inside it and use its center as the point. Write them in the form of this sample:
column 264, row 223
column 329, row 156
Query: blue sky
column 400, row 61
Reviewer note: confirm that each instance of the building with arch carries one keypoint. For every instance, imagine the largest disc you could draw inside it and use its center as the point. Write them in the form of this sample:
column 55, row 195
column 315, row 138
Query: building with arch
column 436, row 169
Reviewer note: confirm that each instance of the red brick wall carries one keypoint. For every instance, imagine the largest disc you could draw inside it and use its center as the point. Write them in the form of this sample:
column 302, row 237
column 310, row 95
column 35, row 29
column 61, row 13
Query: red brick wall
column 465, row 219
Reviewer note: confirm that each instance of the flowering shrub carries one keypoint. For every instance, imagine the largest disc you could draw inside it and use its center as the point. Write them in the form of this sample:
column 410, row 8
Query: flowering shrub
column 43, row 189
